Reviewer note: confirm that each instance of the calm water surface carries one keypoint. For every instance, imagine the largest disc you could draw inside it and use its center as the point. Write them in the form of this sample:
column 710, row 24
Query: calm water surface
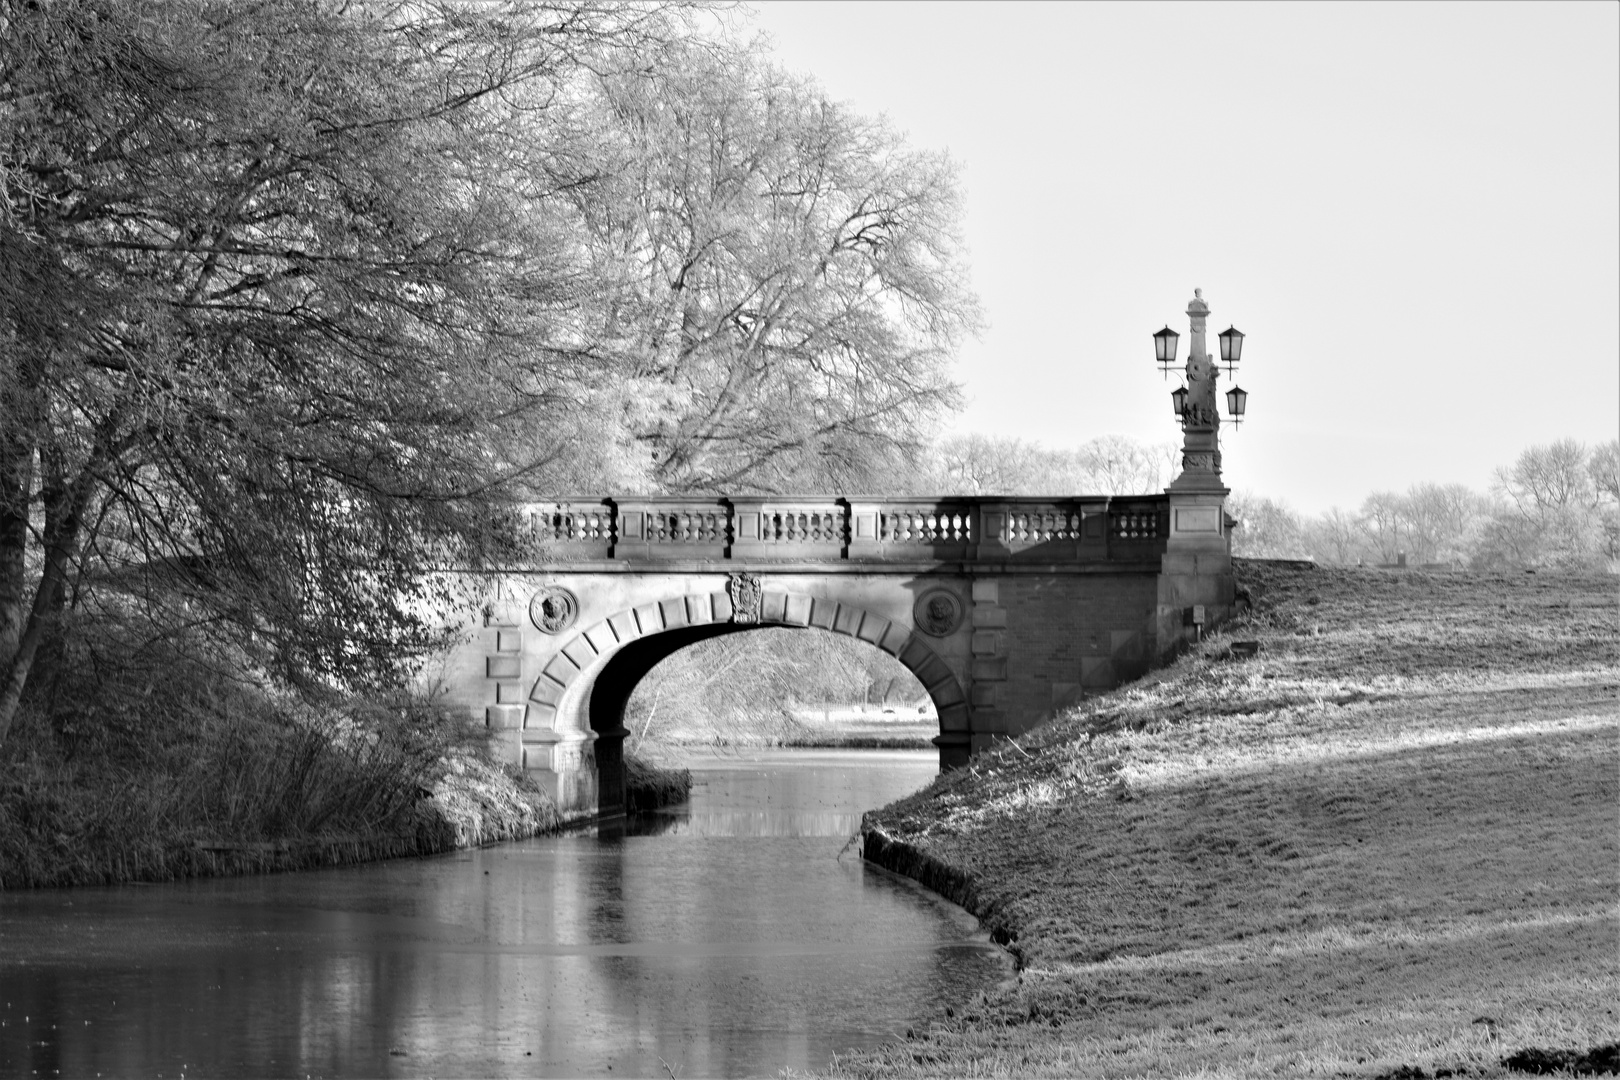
column 728, row 939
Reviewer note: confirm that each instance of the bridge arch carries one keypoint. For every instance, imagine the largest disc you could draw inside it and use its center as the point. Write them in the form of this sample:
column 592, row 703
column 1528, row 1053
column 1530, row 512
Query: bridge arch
column 1006, row 608
column 576, row 705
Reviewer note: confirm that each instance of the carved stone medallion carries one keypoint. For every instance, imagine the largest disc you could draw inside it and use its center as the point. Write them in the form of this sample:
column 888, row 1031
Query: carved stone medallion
column 553, row 609
column 937, row 612
column 746, row 594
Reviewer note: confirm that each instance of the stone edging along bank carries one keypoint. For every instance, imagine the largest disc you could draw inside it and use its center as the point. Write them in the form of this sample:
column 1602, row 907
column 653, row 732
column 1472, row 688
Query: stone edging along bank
column 953, row 883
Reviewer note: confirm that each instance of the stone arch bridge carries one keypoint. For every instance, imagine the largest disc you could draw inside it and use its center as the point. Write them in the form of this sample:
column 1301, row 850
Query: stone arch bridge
column 1005, row 609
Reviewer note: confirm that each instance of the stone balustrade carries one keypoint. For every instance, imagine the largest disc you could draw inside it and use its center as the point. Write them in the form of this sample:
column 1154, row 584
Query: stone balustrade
column 854, row 529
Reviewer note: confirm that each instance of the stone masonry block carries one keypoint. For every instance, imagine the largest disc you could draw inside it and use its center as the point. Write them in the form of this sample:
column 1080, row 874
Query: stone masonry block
column 986, row 642
column 932, row 672
column 503, row 717
column 987, row 721
column 823, row 613
column 954, row 718
column 989, row 616
column 987, row 592
column 915, row 654
column 798, row 610
column 624, row 626
column 509, row 641
column 649, row 618
column 1179, row 562
column 1123, row 642
column 848, row 621
column 561, row 670
column 579, row 651
column 698, row 610
column 546, row 691
column 773, row 607
column 540, row 717
column 1096, row 673
column 895, row 639
column 537, row 755
column 872, row 628
column 986, row 694
column 947, row 693
column 503, row 667
column 674, row 612
column 720, row 606
column 989, row 669
column 509, row 693
column 601, row 637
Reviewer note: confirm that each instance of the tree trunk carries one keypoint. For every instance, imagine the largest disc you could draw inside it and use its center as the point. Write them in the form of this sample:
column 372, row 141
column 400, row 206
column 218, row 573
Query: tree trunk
column 64, row 514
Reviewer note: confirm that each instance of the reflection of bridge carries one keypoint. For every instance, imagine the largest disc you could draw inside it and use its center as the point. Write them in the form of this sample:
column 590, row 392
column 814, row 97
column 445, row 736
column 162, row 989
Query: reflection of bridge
column 1004, row 608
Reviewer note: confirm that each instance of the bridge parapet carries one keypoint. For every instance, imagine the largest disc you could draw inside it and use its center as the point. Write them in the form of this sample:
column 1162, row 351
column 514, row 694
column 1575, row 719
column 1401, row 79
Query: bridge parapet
column 633, row 530
column 1005, row 608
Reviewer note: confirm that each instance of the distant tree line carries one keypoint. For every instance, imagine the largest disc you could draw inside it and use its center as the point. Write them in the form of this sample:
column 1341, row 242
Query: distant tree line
column 999, row 465
column 1556, row 505
column 749, row 685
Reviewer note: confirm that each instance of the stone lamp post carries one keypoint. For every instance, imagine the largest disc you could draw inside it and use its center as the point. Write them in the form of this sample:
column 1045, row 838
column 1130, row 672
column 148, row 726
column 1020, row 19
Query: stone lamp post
column 1195, row 403
column 1196, row 587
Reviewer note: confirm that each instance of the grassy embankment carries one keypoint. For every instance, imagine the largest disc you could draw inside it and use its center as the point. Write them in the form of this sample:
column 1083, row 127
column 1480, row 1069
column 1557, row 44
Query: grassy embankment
column 159, row 772
column 1385, row 845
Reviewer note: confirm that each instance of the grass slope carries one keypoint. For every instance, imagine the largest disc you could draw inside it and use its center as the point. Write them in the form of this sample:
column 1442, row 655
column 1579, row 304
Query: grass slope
column 1386, row 842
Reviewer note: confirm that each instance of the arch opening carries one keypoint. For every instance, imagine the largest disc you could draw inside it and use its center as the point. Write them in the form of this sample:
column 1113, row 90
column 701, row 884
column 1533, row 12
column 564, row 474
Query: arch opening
column 614, row 684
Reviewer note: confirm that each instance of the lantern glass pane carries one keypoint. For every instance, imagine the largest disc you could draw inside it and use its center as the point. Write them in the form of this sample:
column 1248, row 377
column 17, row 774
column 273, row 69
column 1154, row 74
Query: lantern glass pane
column 1164, row 345
column 1231, row 345
column 1237, row 401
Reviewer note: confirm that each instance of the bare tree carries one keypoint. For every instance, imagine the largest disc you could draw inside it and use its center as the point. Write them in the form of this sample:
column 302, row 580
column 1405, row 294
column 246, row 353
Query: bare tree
column 777, row 280
column 1266, row 529
column 999, row 465
column 1334, row 538
column 1381, row 521
column 1549, row 513
column 1604, row 467
column 1444, row 521
column 271, row 278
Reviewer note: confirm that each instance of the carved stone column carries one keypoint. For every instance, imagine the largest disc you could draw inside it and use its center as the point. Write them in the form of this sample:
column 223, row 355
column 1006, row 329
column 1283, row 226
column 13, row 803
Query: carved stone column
column 1200, row 425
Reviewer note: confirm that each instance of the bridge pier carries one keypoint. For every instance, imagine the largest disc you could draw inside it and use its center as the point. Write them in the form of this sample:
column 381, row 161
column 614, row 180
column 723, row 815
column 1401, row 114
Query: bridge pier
column 1006, row 610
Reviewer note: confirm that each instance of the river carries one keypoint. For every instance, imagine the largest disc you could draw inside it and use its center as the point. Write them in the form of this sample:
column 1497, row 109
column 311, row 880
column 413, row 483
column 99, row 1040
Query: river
column 733, row 936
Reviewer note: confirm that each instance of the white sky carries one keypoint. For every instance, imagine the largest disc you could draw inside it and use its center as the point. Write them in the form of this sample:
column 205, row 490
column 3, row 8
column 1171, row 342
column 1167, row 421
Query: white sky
column 1412, row 210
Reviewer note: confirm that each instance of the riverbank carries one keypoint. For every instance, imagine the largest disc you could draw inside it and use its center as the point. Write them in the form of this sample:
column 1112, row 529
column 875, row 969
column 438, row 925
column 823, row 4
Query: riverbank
column 265, row 785
column 1382, row 841
column 214, row 781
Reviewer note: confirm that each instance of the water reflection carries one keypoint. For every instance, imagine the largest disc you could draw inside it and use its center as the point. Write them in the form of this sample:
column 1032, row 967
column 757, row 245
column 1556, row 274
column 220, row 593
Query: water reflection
column 726, row 939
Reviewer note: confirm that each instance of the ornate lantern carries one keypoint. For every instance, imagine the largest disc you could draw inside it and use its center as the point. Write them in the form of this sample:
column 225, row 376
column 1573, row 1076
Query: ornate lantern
column 1231, row 347
column 1178, row 401
column 1164, row 347
column 1237, row 403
